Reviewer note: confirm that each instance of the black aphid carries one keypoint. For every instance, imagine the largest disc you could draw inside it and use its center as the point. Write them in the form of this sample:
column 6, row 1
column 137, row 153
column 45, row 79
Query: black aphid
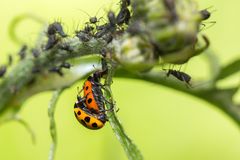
column 108, row 37
column 35, row 52
column 123, row 16
column 66, row 47
column 22, row 52
column 180, row 75
column 55, row 28
column 125, row 3
column 84, row 37
column 56, row 70
column 111, row 19
column 52, row 41
column 93, row 20
column 65, row 65
column 3, row 70
column 205, row 14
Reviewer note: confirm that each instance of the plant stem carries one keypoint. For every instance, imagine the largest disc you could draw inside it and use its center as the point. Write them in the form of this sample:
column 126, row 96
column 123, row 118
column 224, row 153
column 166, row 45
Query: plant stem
column 129, row 147
column 220, row 98
column 53, row 131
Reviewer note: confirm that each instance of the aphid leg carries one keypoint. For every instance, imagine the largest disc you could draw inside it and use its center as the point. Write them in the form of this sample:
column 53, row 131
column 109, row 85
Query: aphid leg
column 207, row 43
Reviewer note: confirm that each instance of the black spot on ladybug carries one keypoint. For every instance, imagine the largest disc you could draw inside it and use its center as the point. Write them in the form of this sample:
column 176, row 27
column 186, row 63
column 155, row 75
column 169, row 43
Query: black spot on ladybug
column 79, row 112
column 87, row 119
column 94, row 125
column 89, row 100
column 86, row 88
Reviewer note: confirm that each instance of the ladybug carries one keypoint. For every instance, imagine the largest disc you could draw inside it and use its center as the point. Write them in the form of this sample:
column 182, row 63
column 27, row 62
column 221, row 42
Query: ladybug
column 92, row 90
column 86, row 117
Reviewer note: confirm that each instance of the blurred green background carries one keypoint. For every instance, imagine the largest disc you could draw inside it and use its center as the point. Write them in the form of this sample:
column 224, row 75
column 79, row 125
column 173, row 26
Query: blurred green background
column 165, row 124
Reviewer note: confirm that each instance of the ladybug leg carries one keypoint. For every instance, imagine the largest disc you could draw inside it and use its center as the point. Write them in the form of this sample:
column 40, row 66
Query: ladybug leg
column 79, row 91
column 99, row 84
column 80, row 99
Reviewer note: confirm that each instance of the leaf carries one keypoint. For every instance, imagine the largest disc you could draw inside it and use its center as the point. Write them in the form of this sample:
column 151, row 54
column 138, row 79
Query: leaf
column 229, row 70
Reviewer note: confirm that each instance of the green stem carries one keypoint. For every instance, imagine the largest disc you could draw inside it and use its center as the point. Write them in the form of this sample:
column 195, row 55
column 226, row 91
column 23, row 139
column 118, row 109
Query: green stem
column 129, row 147
column 53, row 131
column 21, row 75
column 220, row 98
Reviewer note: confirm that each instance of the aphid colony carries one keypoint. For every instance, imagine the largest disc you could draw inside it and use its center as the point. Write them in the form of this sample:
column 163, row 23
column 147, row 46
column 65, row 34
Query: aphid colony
column 106, row 31
column 90, row 109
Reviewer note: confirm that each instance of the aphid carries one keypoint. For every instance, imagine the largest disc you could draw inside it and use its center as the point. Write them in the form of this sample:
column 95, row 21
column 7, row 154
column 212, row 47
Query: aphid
column 56, row 70
column 84, row 37
column 101, row 27
column 22, row 52
column 180, row 75
column 54, row 28
column 86, row 118
column 52, row 41
column 123, row 16
column 108, row 27
column 125, row 3
column 66, row 47
column 65, row 65
column 108, row 38
column 111, row 19
column 88, row 29
column 3, row 70
column 35, row 52
column 205, row 14
column 10, row 60
column 93, row 20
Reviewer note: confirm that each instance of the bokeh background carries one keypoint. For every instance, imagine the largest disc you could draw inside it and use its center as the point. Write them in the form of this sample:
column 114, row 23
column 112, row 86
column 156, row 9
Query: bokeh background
column 165, row 124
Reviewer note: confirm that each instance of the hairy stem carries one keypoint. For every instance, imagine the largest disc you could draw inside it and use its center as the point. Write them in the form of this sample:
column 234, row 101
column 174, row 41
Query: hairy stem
column 53, row 131
column 129, row 147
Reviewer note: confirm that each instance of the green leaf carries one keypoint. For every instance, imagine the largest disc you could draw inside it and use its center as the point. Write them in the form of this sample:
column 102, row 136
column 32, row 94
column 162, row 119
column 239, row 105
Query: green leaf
column 229, row 70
